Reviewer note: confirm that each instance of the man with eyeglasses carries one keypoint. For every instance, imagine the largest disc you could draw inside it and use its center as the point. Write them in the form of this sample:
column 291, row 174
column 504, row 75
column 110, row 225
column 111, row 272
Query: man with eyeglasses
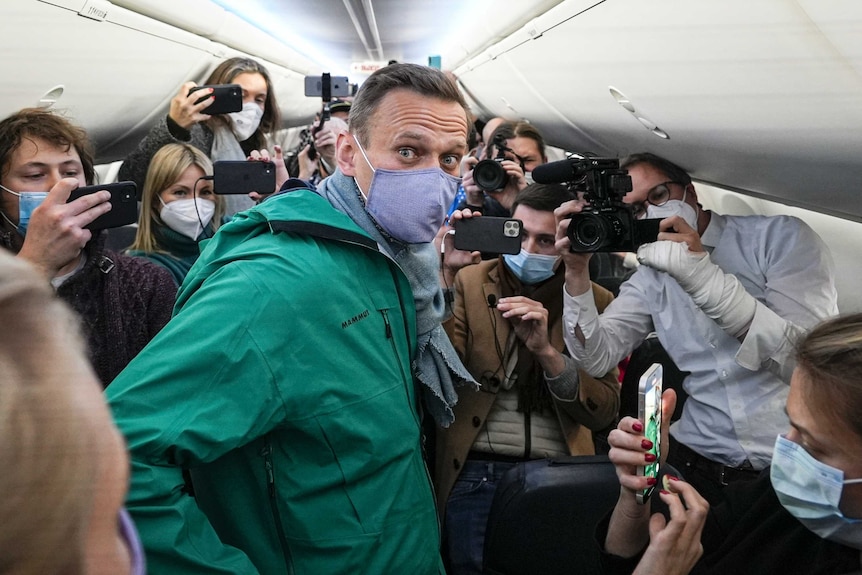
column 727, row 296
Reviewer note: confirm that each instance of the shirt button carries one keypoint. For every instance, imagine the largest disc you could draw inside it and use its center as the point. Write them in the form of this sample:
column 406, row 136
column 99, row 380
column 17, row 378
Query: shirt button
column 476, row 421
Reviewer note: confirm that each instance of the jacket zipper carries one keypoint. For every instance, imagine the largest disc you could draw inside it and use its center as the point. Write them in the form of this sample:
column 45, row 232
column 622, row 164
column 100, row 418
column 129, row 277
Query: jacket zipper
column 385, row 314
column 266, row 452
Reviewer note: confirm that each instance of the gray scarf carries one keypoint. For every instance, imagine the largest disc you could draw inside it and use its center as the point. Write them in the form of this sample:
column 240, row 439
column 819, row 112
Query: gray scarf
column 226, row 147
column 437, row 365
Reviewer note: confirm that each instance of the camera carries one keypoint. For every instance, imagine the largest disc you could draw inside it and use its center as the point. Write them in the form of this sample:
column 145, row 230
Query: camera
column 489, row 175
column 606, row 224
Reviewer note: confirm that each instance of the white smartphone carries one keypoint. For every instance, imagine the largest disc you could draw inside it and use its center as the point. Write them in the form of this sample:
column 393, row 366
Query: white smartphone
column 649, row 412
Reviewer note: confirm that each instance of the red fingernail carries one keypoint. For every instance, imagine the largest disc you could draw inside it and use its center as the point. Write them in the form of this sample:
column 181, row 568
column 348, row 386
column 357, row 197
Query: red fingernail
column 637, row 426
column 646, row 444
column 651, row 480
column 673, row 478
column 665, row 492
column 649, row 457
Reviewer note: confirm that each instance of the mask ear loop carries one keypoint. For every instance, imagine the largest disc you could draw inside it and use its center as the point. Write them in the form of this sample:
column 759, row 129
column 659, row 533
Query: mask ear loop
column 197, row 212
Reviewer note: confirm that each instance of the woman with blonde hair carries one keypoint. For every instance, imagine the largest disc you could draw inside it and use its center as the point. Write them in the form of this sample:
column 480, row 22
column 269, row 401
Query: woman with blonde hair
column 178, row 209
column 231, row 136
column 65, row 468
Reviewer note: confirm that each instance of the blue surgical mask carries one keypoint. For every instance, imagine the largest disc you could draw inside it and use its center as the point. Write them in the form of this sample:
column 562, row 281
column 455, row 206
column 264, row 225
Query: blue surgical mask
column 410, row 205
column 810, row 491
column 531, row 268
column 27, row 202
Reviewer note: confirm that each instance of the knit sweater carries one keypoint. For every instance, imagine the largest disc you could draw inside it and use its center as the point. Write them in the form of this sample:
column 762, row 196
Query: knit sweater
column 122, row 303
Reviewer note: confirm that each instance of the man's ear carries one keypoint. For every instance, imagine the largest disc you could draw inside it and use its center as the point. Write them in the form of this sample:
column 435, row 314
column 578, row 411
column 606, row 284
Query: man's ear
column 345, row 154
column 689, row 190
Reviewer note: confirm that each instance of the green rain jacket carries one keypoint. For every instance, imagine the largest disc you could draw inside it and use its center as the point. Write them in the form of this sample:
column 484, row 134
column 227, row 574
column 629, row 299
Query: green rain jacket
column 283, row 384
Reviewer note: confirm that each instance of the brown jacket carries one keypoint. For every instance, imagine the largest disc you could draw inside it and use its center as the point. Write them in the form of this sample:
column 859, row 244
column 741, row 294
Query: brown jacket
column 472, row 332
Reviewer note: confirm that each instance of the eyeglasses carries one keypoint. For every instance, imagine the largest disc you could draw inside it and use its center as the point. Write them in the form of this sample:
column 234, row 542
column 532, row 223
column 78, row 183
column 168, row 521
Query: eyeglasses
column 657, row 196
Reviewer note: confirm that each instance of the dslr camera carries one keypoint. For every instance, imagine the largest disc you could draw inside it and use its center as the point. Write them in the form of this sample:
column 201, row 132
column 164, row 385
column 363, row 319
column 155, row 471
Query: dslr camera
column 606, row 224
column 489, row 175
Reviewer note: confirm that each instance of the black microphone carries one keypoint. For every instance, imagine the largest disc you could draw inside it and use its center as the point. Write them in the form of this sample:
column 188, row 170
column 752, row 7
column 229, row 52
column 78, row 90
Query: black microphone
column 554, row 172
column 492, row 300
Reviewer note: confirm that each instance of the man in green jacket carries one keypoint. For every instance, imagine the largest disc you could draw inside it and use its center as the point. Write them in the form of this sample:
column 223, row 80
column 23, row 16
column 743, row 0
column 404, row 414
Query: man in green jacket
column 305, row 345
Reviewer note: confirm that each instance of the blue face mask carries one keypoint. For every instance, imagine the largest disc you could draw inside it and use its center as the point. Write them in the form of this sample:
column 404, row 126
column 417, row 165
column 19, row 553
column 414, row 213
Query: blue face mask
column 27, row 202
column 811, row 490
column 410, row 205
column 531, row 268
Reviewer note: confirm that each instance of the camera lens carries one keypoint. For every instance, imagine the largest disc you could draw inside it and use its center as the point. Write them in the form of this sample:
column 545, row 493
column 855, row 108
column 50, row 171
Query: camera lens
column 589, row 232
column 489, row 175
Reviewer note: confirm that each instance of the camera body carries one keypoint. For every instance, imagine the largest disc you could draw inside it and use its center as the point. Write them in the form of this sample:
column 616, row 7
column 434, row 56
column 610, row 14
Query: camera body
column 606, row 224
column 489, row 174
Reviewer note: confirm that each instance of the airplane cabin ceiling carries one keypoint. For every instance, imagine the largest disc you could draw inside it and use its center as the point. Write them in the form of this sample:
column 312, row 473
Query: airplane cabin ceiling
column 762, row 97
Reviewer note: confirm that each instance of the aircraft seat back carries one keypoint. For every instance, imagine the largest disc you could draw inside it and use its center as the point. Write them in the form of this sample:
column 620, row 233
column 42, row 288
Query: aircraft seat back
column 544, row 514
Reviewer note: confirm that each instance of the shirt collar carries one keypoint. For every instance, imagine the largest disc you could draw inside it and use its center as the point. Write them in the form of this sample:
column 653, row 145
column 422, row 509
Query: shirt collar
column 712, row 233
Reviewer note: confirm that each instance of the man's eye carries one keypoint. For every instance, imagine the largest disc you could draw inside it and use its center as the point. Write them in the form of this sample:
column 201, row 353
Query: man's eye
column 407, row 153
column 451, row 161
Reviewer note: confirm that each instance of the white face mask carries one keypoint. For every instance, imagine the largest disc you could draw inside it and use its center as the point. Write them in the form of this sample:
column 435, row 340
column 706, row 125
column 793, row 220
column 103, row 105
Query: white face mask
column 187, row 217
column 674, row 208
column 810, row 491
column 245, row 122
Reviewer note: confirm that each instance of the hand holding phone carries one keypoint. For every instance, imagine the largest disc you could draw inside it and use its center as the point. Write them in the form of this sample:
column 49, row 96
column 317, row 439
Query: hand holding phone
column 488, row 234
column 228, row 98
column 649, row 412
column 124, row 204
column 243, row 177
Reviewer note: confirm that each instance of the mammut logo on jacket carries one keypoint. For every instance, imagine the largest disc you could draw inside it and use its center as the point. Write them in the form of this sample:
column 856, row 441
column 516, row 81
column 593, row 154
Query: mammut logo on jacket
column 354, row 319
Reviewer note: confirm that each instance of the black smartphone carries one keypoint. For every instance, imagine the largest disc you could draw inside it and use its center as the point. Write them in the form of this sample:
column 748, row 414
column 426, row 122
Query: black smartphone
column 124, row 204
column 649, row 412
column 488, row 234
column 242, row 177
column 228, row 98
column 340, row 87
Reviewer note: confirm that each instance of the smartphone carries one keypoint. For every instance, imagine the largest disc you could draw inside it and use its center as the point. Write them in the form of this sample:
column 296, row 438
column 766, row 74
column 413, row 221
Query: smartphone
column 228, row 98
column 488, row 234
column 242, row 177
column 649, row 411
column 124, row 204
column 339, row 86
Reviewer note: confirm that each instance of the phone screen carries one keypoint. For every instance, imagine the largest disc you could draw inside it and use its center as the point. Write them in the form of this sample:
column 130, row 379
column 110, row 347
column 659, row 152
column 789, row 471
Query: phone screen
column 649, row 412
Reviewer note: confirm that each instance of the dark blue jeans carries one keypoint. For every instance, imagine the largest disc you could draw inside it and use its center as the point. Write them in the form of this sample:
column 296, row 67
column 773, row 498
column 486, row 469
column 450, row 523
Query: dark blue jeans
column 467, row 514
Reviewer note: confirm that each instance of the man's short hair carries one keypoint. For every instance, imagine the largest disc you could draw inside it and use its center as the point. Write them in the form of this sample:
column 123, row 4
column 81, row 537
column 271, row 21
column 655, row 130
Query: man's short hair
column 543, row 197
column 32, row 123
column 425, row 81
column 668, row 168
column 340, row 106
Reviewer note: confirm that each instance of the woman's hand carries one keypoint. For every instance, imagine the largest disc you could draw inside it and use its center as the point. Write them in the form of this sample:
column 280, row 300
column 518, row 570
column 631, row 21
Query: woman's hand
column 675, row 546
column 185, row 109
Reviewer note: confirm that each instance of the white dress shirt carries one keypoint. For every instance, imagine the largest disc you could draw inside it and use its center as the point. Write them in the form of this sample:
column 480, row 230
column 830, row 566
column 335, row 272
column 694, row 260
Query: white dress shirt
column 737, row 390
